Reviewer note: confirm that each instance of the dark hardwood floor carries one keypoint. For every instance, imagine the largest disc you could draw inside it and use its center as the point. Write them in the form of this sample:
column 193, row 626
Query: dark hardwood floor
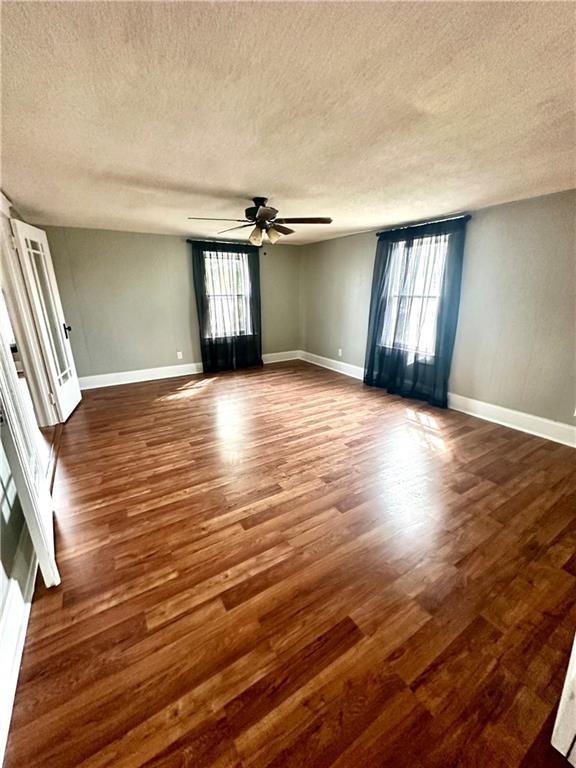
column 283, row 567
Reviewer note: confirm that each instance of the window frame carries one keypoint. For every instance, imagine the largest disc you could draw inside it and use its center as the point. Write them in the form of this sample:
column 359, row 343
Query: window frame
column 243, row 328
column 402, row 296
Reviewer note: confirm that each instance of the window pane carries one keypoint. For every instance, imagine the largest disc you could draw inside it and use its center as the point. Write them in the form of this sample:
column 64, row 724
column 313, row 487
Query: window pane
column 428, row 255
column 50, row 313
column 228, row 292
column 412, row 292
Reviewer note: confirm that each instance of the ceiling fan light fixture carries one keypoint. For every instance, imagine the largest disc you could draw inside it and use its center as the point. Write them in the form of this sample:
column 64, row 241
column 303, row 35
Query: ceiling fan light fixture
column 256, row 236
column 273, row 235
column 264, row 218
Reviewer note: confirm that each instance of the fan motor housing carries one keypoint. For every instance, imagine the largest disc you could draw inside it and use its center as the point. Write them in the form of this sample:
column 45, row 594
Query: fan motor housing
column 251, row 212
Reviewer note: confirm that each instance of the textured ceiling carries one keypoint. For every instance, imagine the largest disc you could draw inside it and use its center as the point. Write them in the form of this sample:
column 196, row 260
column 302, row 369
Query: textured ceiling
column 136, row 115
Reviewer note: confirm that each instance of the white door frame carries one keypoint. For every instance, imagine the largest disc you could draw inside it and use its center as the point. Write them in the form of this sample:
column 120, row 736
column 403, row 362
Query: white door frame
column 18, row 305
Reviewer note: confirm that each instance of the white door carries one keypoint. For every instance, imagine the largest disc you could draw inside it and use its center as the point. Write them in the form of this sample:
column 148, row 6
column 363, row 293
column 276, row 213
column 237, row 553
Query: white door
column 20, row 439
column 51, row 326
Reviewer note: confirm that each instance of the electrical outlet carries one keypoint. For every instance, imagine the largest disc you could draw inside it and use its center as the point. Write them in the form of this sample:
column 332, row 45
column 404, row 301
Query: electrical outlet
column 179, row 354
column 339, row 353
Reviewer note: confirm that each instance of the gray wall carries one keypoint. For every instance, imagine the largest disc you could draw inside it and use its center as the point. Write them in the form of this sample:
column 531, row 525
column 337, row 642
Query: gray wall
column 129, row 298
column 516, row 341
column 516, row 335
column 279, row 289
column 335, row 280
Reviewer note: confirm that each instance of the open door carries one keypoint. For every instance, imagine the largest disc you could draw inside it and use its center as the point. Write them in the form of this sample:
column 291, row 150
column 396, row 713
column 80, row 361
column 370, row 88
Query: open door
column 20, row 439
column 53, row 331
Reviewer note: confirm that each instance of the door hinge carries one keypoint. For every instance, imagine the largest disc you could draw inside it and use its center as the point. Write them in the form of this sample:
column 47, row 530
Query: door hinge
column 52, row 398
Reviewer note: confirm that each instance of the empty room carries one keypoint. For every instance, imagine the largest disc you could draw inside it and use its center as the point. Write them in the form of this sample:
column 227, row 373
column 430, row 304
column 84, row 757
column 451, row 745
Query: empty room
column 288, row 384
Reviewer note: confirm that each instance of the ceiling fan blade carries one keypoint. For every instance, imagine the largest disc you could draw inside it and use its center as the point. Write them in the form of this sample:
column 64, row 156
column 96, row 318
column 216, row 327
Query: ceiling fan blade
column 282, row 229
column 207, row 218
column 306, row 220
column 243, row 226
column 266, row 213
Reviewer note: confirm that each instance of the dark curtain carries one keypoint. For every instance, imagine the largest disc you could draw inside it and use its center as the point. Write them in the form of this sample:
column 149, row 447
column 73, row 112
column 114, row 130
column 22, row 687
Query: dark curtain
column 414, row 310
column 227, row 288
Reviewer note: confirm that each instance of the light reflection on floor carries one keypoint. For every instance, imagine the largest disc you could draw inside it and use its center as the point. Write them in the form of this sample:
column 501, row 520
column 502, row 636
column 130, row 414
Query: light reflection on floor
column 403, row 503
column 407, row 491
column 189, row 389
column 424, row 429
column 231, row 427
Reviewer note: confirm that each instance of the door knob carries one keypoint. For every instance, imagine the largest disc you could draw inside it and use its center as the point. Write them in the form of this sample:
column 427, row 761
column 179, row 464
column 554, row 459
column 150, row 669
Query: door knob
column 67, row 329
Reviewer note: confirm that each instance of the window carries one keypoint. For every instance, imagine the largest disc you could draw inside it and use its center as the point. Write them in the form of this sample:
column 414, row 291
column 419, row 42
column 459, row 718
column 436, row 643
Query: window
column 227, row 290
column 228, row 295
column 412, row 290
column 414, row 309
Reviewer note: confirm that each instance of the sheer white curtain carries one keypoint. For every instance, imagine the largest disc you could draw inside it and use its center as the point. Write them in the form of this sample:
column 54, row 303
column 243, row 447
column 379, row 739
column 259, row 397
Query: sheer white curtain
column 228, row 294
column 412, row 293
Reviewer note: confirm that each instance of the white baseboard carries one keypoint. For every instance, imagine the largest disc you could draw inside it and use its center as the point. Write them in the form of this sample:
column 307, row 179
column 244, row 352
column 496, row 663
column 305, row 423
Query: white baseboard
column 144, row 374
column 355, row 371
column 167, row 372
column 13, row 624
column 281, row 357
column 524, row 422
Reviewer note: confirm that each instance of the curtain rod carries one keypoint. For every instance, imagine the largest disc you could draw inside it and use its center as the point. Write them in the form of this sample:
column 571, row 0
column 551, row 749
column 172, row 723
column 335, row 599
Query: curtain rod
column 223, row 242
column 424, row 222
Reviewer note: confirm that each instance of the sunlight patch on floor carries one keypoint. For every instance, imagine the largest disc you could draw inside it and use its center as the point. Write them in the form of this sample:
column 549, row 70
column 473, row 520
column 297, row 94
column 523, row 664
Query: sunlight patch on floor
column 424, row 429
column 190, row 389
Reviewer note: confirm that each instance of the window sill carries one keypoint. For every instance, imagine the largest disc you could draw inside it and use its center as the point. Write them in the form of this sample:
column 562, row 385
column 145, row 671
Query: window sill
column 228, row 338
column 408, row 350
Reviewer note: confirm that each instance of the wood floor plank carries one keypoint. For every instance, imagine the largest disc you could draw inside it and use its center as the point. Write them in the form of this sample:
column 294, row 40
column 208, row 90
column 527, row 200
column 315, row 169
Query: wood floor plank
column 283, row 567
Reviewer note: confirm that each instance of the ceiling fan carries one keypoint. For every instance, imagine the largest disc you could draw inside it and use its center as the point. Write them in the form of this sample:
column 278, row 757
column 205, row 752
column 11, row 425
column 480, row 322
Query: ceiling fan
column 264, row 219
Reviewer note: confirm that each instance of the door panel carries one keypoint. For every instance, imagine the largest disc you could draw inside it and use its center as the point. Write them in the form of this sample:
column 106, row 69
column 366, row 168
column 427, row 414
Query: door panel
column 20, row 440
column 38, row 272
